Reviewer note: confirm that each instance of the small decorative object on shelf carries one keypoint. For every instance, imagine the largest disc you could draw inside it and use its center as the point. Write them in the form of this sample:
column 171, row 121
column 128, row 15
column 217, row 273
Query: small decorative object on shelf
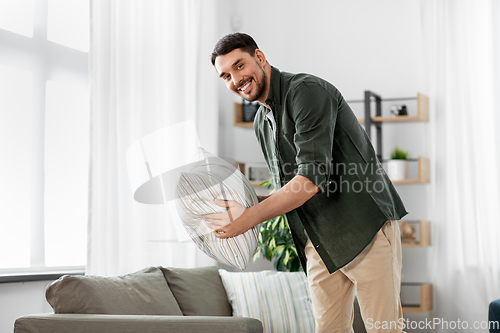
column 409, row 232
column 399, row 110
column 249, row 110
column 238, row 116
column 418, row 171
column 416, row 297
column 397, row 166
column 415, row 233
column 257, row 173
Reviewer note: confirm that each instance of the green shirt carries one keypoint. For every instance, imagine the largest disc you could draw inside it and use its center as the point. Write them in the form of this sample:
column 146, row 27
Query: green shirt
column 318, row 136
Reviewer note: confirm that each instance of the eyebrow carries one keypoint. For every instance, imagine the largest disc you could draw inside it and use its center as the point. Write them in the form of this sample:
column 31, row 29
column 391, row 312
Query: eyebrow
column 233, row 65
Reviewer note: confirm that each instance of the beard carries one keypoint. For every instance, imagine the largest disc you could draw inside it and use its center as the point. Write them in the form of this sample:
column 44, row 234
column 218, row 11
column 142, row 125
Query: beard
column 259, row 85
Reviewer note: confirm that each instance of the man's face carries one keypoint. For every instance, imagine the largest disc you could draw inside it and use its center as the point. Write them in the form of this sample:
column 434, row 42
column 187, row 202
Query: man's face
column 243, row 74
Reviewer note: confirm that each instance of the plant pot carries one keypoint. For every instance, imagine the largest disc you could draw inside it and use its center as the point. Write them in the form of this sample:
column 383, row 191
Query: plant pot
column 397, row 169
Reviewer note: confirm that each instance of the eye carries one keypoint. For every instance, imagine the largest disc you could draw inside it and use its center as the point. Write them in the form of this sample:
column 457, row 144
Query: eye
column 226, row 77
column 240, row 66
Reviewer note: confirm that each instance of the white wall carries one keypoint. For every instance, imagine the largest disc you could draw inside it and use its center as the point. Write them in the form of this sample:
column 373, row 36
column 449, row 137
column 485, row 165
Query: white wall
column 21, row 298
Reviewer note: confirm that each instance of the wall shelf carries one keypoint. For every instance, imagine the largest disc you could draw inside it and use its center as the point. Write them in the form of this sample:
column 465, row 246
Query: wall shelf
column 419, row 110
column 238, row 116
column 416, row 297
column 251, row 170
column 422, row 112
column 415, row 233
column 377, row 111
column 418, row 172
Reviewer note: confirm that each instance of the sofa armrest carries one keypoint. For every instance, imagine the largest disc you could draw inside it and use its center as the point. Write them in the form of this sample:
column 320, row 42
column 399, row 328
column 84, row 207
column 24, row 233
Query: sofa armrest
column 494, row 316
column 93, row 323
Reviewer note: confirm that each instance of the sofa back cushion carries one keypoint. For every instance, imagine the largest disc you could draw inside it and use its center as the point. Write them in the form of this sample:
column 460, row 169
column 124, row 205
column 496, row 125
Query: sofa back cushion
column 199, row 291
column 141, row 293
column 280, row 300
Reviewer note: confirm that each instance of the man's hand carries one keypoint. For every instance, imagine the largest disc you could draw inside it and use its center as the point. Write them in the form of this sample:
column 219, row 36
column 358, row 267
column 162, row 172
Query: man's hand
column 239, row 219
column 225, row 224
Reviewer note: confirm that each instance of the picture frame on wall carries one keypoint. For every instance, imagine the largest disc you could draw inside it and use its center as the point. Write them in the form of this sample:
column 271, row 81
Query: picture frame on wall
column 257, row 172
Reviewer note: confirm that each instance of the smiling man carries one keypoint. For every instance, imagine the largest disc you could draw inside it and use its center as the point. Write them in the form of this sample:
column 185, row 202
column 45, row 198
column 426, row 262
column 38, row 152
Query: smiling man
column 341, row 207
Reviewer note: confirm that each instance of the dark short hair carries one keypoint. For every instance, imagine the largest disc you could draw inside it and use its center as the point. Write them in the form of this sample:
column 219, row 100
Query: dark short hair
column 232, row 42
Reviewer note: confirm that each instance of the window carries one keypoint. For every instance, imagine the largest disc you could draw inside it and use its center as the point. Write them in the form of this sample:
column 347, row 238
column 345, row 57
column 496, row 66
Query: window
column 17, row 16
column 44, row 134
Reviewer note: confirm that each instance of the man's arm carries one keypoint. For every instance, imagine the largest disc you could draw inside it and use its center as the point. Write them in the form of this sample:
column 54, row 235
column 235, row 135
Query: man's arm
column 239, row 219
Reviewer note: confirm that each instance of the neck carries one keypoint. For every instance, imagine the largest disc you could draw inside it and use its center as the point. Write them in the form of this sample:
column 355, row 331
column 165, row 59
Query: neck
column 265, row 93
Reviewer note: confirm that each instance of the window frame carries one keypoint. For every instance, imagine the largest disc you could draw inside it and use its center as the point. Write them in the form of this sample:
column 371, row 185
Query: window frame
column 46, row 61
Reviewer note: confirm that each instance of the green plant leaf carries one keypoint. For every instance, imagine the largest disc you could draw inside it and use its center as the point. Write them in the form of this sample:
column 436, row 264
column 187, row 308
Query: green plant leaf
column 282, row 223
column 287, row 257
column 276, row 243
column 272, row 243
column 268, row 254
column 279, row 250
column 399, row 154
column 281, row 241
column 275, row 223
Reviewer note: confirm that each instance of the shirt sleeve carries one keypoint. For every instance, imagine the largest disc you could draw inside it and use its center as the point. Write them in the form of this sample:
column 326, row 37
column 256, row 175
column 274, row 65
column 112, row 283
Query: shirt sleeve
column 314, row 113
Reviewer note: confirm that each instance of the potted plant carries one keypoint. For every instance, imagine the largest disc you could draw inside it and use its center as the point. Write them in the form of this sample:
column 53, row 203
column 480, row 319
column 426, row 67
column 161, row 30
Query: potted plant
column 397, row 166
column 276, row 243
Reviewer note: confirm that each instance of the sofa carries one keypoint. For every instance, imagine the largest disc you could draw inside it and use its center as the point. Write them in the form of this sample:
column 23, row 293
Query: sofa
column 155, row 299
column 494, row 316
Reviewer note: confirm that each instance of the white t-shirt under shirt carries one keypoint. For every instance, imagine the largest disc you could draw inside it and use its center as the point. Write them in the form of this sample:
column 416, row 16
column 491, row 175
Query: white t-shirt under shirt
column 270, row 115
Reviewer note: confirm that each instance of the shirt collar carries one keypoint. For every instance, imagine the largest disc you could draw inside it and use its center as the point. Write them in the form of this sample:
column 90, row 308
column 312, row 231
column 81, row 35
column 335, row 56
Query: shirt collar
column 274, row 95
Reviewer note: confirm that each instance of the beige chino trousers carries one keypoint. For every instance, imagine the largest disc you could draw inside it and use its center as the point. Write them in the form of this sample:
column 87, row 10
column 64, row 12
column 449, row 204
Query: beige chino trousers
column 376, row 274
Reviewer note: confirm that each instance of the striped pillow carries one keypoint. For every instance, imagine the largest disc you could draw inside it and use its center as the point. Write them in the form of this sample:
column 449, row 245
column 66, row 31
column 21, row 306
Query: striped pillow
column 279, row 300
column 213, row 178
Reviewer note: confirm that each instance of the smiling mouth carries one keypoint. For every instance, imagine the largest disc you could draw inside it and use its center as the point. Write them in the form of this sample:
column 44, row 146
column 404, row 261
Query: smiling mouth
column 245, row 87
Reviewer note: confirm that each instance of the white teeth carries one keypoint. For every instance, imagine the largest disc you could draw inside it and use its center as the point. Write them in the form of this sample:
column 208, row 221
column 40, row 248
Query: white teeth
column 245, row 87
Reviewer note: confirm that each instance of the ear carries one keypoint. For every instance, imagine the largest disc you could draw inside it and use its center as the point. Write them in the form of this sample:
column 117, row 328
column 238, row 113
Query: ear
column 260, row 57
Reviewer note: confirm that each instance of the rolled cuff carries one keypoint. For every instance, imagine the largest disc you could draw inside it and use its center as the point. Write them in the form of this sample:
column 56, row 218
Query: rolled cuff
column 317, row 173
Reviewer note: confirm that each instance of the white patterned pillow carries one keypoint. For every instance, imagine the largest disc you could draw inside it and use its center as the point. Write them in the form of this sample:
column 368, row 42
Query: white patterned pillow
column 280, row 300
column 213, row 178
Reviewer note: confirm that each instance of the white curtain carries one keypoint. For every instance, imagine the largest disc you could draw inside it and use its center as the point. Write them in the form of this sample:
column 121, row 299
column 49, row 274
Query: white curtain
column 458, row 36
column 150, row 68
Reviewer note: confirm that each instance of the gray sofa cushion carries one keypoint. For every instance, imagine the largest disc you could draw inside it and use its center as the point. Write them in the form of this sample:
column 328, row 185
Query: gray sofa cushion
column 96, row 323
column 141, row 293
column 199, row 291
